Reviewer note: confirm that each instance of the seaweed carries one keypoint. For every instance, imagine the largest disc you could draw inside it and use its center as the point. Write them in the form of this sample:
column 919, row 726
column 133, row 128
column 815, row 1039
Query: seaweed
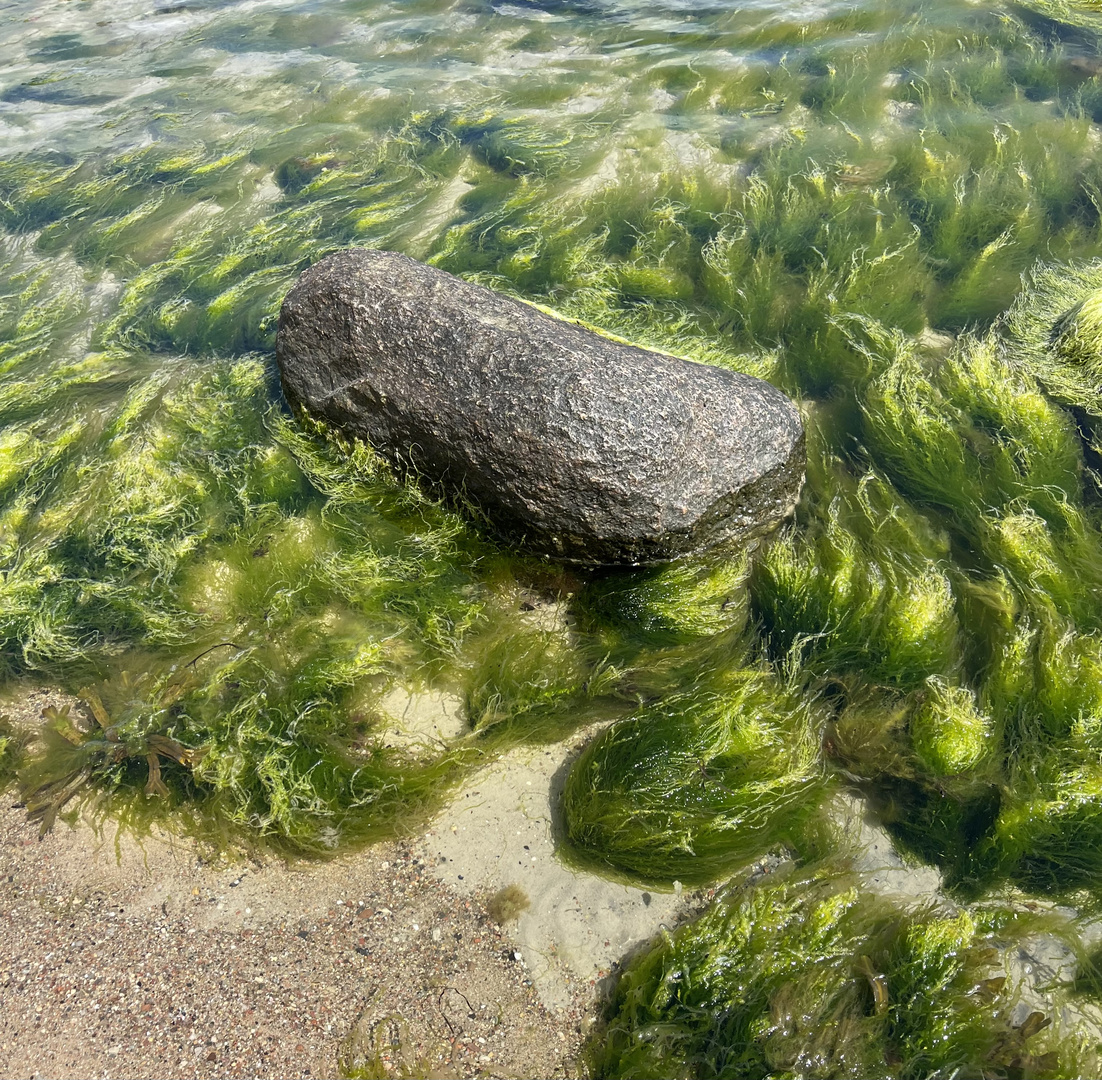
column 808, row 976
column 892, row 214
column 682, row 602
column 698, row 784
column 507, row 904
column 71, row 759
column 12, row 745
column 535, row 682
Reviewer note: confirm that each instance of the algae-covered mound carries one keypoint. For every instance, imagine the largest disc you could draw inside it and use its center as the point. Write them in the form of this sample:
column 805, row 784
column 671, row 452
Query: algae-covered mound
column 808, row 976
column 950, row 735
column 1055, row 327
column 697, row 784
column 1077, row 338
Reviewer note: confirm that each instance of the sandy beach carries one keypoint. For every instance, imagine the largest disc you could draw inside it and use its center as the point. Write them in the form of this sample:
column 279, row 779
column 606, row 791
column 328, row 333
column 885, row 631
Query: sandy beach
column 151, row 957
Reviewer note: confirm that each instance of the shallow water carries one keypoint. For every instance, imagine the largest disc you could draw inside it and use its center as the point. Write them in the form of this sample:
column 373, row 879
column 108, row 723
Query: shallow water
column 884, row 208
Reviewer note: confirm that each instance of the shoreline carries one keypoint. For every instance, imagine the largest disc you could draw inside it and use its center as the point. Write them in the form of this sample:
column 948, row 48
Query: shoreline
column 132, row 956
column 128, row 960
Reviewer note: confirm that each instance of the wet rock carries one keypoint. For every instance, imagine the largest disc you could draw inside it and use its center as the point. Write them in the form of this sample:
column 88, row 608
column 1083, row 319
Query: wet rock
column 571, row 444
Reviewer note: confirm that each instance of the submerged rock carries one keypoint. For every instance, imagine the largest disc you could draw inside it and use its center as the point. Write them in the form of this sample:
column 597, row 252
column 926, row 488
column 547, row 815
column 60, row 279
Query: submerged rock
column 572, row 444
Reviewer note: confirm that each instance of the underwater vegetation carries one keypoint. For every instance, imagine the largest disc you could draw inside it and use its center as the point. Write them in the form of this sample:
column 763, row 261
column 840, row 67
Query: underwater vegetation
column 891, row 211
column 809, row 976
column 697, row 784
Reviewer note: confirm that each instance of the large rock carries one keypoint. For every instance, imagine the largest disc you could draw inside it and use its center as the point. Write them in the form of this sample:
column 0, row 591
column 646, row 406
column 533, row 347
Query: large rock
column 576, row 446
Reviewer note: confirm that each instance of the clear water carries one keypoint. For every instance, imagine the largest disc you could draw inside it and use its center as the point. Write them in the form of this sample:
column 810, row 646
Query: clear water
column 845, row 198
column 89, row 78
column 92, row 79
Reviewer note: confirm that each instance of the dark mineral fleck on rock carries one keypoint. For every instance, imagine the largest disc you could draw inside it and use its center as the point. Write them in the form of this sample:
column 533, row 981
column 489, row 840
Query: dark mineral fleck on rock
column 573, row 445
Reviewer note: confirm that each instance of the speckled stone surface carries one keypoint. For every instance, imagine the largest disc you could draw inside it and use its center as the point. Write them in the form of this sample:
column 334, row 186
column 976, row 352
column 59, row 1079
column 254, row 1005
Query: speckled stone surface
column 573, row 445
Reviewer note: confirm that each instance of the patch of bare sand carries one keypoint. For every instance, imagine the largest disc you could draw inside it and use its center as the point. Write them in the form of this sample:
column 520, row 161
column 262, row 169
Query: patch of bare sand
column 120, row 960
column 501, row 831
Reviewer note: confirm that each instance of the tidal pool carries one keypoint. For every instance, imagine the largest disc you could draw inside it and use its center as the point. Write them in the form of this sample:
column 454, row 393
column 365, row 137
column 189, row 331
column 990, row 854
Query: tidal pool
column 891, row 210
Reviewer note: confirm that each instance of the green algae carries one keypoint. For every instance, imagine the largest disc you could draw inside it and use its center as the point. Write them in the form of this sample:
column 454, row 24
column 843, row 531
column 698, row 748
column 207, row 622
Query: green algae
column 950, row 735
column 11, row 745
column 864, row 587
column 697, row 784
column 670, row 604
column 145, row 502
column 152, row 494
column 808, row 977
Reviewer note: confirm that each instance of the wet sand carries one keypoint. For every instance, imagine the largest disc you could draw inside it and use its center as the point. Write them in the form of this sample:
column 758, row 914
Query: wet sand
column 122, row 957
